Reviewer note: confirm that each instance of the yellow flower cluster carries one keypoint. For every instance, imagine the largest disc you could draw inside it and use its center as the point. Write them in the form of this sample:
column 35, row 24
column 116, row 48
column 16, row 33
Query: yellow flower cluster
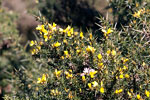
column 68, row 74
column 113, row 52
column 90, row 49
column 77, row 52
column 95, row 85
column 147, row 93
column 50, row 33
column 42, row 80
column 92, row 85
column 139, row 13
column 70, row 96
column 92, row 74
column 36, row 47
column 67, row 55
column 57, row 73
column 138, row 96
column 55, row 92
column 119, row 91
column 107, row 32
column 55, row 45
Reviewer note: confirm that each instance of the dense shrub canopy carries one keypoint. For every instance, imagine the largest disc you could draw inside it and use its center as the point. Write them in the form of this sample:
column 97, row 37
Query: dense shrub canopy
column 65, row 63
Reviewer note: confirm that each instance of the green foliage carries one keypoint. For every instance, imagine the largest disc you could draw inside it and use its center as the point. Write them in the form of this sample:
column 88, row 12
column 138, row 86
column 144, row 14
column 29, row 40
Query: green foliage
column 7, row 20
column 123, row 9
column 67, row 64
column 7, row 33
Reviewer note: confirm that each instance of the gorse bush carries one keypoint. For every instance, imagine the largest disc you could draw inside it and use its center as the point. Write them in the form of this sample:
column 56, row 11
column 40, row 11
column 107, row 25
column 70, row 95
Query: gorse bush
column 69, row 64
column 122, row 10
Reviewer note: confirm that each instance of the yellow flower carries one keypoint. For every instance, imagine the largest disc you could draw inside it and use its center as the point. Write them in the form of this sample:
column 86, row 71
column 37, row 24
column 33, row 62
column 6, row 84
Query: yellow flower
column 38, row 47
column 108, row 52
column 125, row 68
column 107, row 32
column 32, row 43
column 83, row 78
column 34, row 51
column 68, row 75
column 90, row 85
column 131, row 90
column 106, row 71
column 50, row 36
column 118, row 91
column 125, row 60
column 137, row 14
column 78, row 51
column 54, row 24
column 91, row 36
column 62, row 57
column 143, row 64
column 81, row 35
column 121, row 76
column 55, row 92
column 138, row 96
column 70, row 70
column 57, row 73
column 66, row 90
column 92, row 74
column 39, row 80
column 102, row 90
column 127, row 76
column 65, row 41
column 129, row 94
column 147, row 93
column 52, row 92
column 66, row 52
column 101, row 83
column 113, row 52
column 69, row 33
column 51, row 28
column 99, row 56
column 41, row 43
column 100, row 65
column 80, row 90
column 39, row 27
column 57, row 44
column 42, row 80
column 42, row 29
column 67, row 29
column 90, row 49
column 70, row 96
column 95, row 84
column 61, row 30
column 45, row 37
column 137, row 4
